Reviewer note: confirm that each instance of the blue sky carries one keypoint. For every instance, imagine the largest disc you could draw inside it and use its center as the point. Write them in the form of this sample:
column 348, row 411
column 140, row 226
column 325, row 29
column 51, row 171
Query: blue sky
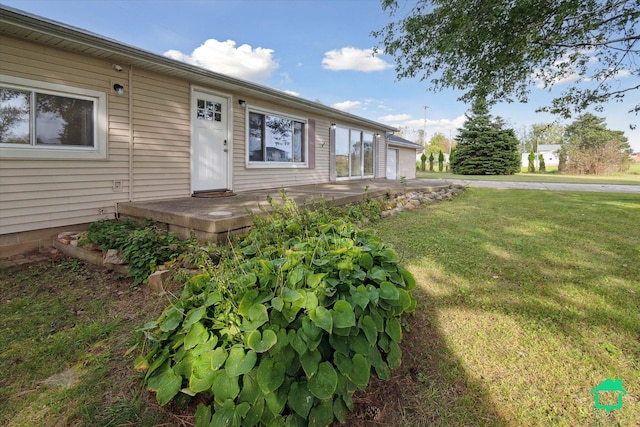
column 316, row 49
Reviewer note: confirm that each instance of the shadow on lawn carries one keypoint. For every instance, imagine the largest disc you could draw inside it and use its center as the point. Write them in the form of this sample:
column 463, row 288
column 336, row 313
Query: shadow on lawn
column 431, row 388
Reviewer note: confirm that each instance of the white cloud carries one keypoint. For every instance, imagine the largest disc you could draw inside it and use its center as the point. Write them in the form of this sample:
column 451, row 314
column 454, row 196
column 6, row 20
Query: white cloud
column 243, row 62
column 351, row 58
column 347, row 105
column 395, row 118
column 448, row 127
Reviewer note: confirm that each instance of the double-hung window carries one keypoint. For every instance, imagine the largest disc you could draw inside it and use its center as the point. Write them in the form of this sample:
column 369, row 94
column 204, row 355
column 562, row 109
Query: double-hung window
column 40, row 120
column 276, row 140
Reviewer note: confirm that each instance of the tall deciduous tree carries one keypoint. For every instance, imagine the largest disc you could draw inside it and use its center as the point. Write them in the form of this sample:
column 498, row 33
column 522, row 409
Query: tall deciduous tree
column 484, row 149
column 542, row 134
column 495, row 49
column 437, row 143
column 593, row 149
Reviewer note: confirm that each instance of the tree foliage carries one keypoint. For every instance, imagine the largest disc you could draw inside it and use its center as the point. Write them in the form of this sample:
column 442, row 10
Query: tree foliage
column 593, row 149
column 483, row 148
column 439, row 142
column 515, row 44
column 543, row 165
column 542, row 134
column 532, row 162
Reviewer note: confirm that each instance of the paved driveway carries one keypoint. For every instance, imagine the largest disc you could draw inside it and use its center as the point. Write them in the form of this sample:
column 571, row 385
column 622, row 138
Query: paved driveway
column 611, row 188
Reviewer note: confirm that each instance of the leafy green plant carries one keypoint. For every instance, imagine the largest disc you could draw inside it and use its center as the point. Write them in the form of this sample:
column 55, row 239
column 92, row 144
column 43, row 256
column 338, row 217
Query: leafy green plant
column 147, row 248
column 142, row 244
column 293, row 321
column 109, row 233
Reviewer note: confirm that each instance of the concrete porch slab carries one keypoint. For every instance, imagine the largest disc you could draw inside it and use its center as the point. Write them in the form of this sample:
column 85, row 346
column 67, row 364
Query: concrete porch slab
column 214, row 219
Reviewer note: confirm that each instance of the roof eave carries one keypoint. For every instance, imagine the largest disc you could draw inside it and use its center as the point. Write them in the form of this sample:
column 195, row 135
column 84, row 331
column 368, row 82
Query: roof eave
column 138, row 57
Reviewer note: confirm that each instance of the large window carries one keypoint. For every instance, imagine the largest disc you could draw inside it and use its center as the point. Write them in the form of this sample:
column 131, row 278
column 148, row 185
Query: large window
column 276, row 140
column 354, row 153
column 45, row 122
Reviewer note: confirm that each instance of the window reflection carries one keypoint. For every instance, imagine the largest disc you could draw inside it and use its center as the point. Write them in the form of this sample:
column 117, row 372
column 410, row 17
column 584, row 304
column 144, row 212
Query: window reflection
column 276, row 139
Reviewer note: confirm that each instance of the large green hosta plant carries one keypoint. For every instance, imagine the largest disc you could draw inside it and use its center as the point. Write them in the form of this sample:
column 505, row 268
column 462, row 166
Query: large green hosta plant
column 286, row 329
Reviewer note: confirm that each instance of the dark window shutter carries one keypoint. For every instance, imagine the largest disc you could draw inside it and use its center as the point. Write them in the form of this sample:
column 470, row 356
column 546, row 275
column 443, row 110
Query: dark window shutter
column 312, row 144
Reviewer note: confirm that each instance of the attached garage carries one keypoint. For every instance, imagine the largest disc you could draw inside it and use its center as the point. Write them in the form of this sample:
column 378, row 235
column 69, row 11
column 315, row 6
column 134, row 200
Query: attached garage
column 401, row 157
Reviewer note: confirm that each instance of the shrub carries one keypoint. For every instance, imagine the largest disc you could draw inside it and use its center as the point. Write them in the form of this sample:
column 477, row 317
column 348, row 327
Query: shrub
column 142, row 244
column 543, row 167
column 297, row 317
column 532, row 160
column 431, row 158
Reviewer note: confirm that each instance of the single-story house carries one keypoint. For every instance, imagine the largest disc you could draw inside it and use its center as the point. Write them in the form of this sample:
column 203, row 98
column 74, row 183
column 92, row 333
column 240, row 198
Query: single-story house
column 89, row 123
column 401, row 154
column 550, row 153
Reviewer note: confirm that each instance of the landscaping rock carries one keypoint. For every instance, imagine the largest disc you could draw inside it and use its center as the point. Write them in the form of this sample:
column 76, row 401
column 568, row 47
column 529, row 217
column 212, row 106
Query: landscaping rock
column 112, row 256
column 414, row 199
column 158, row 280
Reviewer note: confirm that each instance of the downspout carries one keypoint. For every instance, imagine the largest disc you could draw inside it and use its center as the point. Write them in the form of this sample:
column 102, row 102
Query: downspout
column 130, row 133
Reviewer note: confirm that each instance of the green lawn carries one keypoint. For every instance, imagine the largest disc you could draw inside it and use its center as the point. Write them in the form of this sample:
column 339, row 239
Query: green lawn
column 527, row 301
column 632, row 177
column 61, row 316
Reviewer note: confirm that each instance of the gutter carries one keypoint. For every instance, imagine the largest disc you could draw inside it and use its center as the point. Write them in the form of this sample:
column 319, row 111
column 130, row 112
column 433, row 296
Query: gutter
column 141, row 58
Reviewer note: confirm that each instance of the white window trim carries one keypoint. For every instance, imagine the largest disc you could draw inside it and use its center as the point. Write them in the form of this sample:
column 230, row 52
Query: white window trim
column 276, row 165
column 99, row 152
column 375, row 155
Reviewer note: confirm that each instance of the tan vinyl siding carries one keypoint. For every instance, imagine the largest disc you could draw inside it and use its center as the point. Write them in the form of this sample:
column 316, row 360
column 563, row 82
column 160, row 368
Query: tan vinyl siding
column 161, row 137
column 38, row 194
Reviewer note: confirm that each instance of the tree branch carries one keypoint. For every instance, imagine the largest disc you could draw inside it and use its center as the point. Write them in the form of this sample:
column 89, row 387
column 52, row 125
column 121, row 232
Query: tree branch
column 546, row 43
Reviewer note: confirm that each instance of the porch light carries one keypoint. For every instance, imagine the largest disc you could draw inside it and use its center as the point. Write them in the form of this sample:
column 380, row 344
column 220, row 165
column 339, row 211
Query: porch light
column 242, row 102
column 118, row 88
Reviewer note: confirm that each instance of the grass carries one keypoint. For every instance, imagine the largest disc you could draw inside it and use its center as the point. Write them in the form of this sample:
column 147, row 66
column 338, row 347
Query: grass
column 527, row 301
column 59, row 315
column 632, row 177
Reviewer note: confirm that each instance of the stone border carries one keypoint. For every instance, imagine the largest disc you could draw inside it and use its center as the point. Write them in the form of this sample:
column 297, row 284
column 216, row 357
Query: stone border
column 68, row 243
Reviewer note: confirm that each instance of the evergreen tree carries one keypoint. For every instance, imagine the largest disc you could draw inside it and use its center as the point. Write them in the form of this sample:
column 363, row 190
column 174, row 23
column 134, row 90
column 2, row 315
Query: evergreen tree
column 431, row 162
column 532, row 162
column 440, row 161
column 543, row 167
column 484, row 148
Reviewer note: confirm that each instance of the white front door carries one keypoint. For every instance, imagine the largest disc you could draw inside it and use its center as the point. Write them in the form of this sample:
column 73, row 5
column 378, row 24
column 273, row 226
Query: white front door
column 210, row 147
column 392, row 163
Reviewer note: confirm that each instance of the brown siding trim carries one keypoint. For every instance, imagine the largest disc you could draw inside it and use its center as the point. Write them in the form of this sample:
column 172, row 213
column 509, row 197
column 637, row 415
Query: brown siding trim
column 312, row 143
